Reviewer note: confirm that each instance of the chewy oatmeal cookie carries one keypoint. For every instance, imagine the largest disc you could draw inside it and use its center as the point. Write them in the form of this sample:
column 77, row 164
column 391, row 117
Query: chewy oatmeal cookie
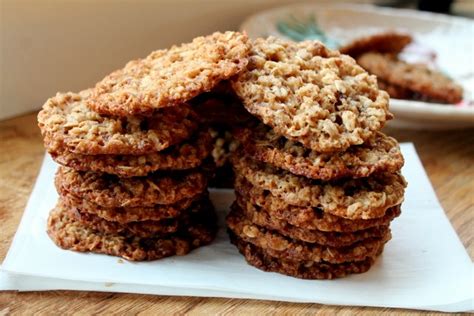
column 67, row 124
column 423, row 83
column 144, row 229
column 259, row 217
column 257, row 257
column 385, row 43
column 186, row 155
column 279, row 246
column 312, row 95
column 123, row 215
column 362, row 198
column 307, row 218
column 172, row 76
column 111, row 192
column 68, row 233
column 378, row 154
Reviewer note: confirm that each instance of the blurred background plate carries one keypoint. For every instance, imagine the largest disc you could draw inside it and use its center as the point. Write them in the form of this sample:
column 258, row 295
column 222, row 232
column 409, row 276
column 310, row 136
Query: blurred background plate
column 449, row 38
column 422, row 115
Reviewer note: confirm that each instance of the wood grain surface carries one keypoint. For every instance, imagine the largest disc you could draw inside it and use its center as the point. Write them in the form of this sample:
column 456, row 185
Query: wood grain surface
column 447, row 156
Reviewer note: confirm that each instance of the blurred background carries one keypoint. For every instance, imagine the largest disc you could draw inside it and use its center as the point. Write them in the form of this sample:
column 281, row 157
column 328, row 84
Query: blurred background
column 52, row 45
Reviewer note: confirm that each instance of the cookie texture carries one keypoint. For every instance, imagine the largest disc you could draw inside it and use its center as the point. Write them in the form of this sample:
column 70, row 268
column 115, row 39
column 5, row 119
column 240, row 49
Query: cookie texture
column 111, row 192
column 257, row 216
column 187, row 155
column 307, row 218
column 68, row 233
column 279, row 246
column 311, row 94
column 378, row 154
column 172, row 76
column 67, row 124
column 386, row 43
column 258, row 258
column 123, row 215
column 424, row 83
column 363, row 198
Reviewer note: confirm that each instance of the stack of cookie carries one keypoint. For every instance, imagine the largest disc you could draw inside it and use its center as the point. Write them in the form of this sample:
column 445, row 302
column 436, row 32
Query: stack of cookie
column 134, row 155
column 317, row 184
column 379, row 55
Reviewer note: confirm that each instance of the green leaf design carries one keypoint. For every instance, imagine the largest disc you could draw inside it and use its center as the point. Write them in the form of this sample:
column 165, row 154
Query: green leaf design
column 305, row 29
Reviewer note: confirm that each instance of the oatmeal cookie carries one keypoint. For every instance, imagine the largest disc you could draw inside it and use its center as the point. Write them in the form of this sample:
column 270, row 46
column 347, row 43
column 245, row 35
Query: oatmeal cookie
column 385, row 43
column 172, row 76
column 279, row 246
column 423, row 83
column 111, row 192
column 378, row 154
column 68, row 125
column 186, row 155
column 363, row 198
column 257, row 257
column 312, row 95
column 144, row 229
column 307, row 218
column 123, row 215
column 67, row 233
column 257, row 216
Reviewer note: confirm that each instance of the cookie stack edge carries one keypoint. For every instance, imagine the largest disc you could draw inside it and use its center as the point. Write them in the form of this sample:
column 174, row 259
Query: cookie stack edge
column 135, row 157
column 317, row 183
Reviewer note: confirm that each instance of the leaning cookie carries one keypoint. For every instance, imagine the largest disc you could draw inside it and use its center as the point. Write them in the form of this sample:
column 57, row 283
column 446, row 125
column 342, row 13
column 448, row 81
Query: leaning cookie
column 378, row 154
column 108, row 191
column 414, row 81
column 387, row 43
column 67, row 124
column 362, row 198
column 279, row 246
column 186, row 155
column 311, row 94
column 258, row 258
column 69, row 234
column 172, row 76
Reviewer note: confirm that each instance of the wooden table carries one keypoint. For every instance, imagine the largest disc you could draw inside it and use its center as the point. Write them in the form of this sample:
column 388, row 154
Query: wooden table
column 447, row 156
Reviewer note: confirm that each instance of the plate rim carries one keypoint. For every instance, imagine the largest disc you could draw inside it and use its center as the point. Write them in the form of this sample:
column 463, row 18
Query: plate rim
column 418, row 110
